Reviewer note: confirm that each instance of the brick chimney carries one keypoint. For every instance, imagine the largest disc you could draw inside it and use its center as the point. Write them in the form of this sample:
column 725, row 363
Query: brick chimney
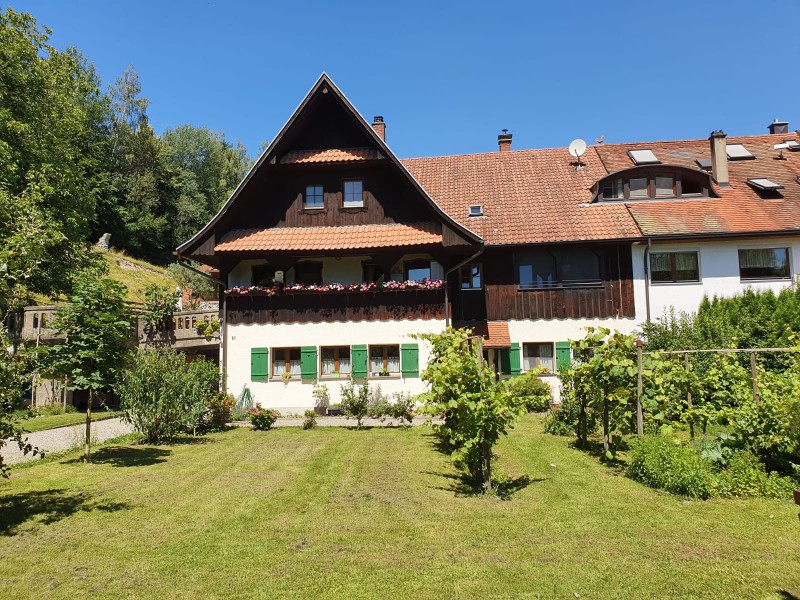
column 719, row 158
column 504, row 141
column 380, row 127
column 778, row 127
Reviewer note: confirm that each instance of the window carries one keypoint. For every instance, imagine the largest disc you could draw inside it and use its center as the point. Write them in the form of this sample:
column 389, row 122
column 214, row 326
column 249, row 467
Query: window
column 578, row 267
column 476, row 210
column 613, row 190
column 537, row 270
column 738, row 152
column 470, row 277
column 643, row 157
column 335, row 361
column 262, row 274
column 353, row 193
column 285, row 360
column 567, row 268
column 314, row 197
column 537, row 355
column 764, row 263
column 665, row 186
column 308, row 273
column 674, row 267
column 372, row 272
column 417, row 270
column 639, row 188
column 384, row 359
column 691, row 187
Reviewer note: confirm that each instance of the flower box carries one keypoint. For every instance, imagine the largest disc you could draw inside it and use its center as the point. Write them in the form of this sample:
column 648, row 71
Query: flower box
column 336, row 288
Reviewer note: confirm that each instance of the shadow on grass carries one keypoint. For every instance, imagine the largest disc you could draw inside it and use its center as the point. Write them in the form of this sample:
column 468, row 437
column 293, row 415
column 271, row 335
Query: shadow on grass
column 462, row 486
column 48, row 507
column 126, row 456
column 595, row 448
column 787, row 595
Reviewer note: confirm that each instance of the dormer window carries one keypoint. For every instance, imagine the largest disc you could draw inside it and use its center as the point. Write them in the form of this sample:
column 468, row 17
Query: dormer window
column 613, row 190
column 643, row 157
column 476, row 210
column 314, row 197
column 654, row 183
column 353, row 193
column 738, row 152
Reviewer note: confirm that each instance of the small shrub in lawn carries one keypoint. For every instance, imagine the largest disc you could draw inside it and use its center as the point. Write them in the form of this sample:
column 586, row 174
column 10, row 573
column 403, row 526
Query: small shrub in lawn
column 745, row 476
column 355, row 401
column 402, row 407
column 263, row 418
column 220, row 410
column 310, row 420
column 378, row 406
column 564, row 418
column 663, row 462
column 529, row 387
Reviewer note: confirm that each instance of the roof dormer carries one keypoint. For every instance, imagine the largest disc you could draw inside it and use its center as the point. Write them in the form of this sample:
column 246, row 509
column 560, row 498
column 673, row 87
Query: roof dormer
column 653, row 181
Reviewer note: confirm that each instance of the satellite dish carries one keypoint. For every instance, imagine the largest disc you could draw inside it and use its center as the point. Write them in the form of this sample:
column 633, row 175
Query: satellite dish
column 577, row 148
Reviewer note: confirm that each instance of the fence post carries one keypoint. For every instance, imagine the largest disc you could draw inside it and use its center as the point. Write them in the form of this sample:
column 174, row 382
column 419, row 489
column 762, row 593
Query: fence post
column 479, row 349
column 639, row 414
column 754, row 376
column 688, row 395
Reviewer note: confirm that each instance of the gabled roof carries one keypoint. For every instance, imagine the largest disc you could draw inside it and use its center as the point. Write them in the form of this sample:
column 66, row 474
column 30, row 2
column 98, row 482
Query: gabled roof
column 324, row 85
column 353, row 237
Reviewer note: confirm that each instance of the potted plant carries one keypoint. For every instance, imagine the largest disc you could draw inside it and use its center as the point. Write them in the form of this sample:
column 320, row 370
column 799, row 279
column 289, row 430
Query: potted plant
column 384, row 373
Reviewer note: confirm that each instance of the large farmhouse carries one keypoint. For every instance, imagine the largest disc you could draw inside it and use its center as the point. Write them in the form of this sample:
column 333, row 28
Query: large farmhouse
column 334, row 252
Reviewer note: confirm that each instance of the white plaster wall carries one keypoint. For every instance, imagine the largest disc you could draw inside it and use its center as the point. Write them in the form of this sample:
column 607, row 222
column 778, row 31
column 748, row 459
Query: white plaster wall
column 295, row 396
column 719, row 274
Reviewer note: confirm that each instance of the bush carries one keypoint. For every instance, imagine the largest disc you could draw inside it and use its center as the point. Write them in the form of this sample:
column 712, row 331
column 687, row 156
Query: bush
column 664, row 462
column 355, row 401
column 243, row 405
column 161, row 394
column 745, row 476
column 563, row 419
column 530, row 389
column 220, row 406
column 262, row 418
column 310, row 420
column 402, row 407
column 322, row 398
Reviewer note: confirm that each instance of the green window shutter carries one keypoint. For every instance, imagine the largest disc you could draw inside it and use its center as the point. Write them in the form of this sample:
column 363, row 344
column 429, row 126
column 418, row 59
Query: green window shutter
column 505, row 361
column 259, row 364
column 308, row 362
column 563, row 355
column 409, row 360
column 513, row 359
column 358, row 358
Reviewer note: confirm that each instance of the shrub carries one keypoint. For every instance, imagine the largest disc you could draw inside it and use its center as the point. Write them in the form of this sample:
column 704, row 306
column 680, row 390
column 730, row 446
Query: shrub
column 220, row 405
column 355, row 401
column 663, row 462
column 310, row 420
column 160, row 394
column 530, row 389
column 262, row 418
column 322, row 398
column 378, row 406
column 564, row 418
column 243, row 405
column 745, row 476
column 402, row 407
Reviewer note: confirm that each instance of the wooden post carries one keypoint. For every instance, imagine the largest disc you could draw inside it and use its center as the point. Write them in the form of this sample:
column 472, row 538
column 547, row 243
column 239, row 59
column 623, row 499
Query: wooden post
column 639, row 390
column 688, row 394
column 479, row 345
column 754, row 375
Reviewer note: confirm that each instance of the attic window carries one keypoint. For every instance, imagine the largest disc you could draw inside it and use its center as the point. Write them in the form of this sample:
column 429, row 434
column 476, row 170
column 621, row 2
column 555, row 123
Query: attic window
column 476, row 210
column 643, row 157
column 704, row 163
column 738, row 152
column 764, row 185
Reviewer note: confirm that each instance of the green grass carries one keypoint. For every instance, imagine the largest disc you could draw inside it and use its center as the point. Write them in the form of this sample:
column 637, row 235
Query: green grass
column 375, row 514
column 42, row 422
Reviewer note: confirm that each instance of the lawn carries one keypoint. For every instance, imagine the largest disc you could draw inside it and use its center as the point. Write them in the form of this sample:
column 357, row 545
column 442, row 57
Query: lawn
column 375, row 514
column 42, row 422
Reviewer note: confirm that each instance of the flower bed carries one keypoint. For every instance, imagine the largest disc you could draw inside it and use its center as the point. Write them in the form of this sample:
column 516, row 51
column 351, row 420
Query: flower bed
column 335, row 288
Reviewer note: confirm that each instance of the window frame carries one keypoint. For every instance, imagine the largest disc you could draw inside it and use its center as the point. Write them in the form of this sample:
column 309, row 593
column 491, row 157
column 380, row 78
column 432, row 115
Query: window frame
column 306, row 205
column 287, row 358
column 674, row 268
column 470, row 279
column 550, row 370
column 787, row 252
column 385, row 361
column 557, row 256
column 417, row 263
column 336, row 362
column 344, row 194
column 316, row 264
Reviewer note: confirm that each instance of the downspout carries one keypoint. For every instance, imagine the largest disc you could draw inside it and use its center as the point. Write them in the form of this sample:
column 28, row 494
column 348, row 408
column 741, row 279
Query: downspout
column 447, row 283
column 647, row 278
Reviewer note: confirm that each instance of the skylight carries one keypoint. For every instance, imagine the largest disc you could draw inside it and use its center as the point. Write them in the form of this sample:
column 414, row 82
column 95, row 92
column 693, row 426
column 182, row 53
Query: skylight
column 704, row 163
column 764, row 184
column 643, row 157
column 793, row 146
column 737, row 152
column 476, row 210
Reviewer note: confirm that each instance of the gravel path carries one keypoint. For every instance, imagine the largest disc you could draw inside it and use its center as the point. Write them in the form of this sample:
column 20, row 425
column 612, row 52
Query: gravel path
column 64, row 438
column 338, row 422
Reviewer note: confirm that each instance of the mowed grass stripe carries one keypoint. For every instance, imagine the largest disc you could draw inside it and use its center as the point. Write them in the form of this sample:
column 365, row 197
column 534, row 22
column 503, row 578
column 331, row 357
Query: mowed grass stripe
column 376, row 514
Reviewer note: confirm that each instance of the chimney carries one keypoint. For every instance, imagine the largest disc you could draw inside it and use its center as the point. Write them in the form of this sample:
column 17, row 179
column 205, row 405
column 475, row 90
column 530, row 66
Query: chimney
column 719, row 158
column 504, row 141
column 380, row 127
column 778, row 127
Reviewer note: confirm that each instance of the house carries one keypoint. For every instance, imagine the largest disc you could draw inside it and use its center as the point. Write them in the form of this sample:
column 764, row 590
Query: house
column 335, row 252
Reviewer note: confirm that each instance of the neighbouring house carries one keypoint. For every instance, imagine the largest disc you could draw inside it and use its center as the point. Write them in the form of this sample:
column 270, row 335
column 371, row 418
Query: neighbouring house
column 335, row 252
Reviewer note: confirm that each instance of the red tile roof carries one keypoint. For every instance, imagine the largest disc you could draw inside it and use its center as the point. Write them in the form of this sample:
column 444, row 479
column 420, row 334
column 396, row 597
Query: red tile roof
column 330, row 238
column 330, row 155
column 538, row 196
column 494, row 333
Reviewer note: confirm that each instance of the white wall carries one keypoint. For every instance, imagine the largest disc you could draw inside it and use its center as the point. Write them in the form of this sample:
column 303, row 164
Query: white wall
column 295, row 396
column 719, row 274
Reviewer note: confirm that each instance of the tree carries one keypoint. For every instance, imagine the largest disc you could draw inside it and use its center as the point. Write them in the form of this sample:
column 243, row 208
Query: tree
column 159, row 307
column 97, row 330
column 51, row 149
column 199, row 286
column 477, row 409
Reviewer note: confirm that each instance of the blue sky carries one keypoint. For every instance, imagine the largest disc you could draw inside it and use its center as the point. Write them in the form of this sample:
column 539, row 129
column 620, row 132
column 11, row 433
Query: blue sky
column 448, row 76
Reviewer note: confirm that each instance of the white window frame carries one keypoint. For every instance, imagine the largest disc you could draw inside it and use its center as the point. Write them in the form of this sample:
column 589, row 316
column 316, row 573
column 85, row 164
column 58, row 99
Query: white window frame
column 352, row 203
